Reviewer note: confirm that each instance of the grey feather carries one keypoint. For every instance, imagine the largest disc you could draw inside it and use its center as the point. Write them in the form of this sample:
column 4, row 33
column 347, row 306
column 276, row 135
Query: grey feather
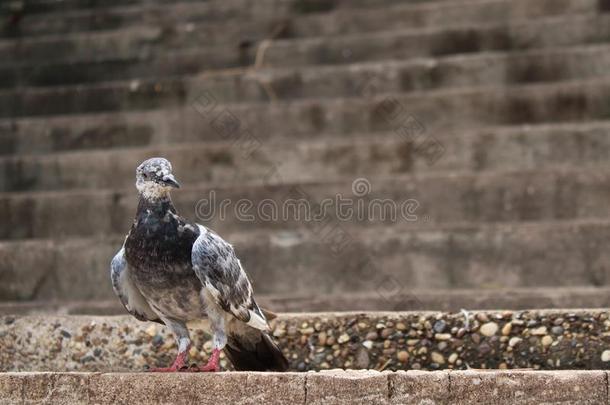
column 220, row 271
column 128, row 293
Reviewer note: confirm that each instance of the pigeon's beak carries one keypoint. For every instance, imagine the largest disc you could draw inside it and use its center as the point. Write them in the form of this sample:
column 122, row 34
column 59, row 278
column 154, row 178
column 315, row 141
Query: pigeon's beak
column 171, row 181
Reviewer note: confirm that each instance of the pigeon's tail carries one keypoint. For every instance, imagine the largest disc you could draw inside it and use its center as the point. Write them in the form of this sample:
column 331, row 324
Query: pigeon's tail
column 254, row 350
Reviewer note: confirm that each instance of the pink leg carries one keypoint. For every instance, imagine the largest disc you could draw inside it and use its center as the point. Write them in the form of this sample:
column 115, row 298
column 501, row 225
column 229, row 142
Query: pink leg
column 212, row 364
column 176, row 366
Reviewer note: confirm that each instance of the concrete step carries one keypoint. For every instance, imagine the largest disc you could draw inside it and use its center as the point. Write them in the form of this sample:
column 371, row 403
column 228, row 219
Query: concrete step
column 329, row 387
column 128, row 14
column 453, row 300
column 373, row 155
column 159, row 61
column 257, row 85
column 53, row 8
column 539, row 195
column 249, row 126
column 58, row 6
column 517, row 34
column 253, row 22
column 73, row 9
column 394, row 262
column 191, row 25
column 554, row 339
column 435, row 14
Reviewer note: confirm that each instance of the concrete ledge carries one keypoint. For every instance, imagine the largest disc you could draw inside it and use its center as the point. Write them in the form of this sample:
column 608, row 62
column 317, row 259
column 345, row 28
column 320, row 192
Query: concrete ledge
column 553, row 339
column 331, row 387
column 446, row 300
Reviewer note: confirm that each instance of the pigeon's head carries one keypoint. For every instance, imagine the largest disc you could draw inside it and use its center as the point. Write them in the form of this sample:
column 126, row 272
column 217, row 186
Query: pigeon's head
column 154, row 178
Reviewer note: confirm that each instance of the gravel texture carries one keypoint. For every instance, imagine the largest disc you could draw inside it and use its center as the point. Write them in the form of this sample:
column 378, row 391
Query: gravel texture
column 578, row 339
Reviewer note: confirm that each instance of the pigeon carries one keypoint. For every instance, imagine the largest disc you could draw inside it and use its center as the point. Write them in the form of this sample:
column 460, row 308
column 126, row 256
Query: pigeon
column 184, row 275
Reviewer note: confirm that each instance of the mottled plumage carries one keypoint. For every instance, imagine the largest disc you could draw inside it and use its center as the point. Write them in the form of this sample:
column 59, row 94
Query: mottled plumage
column 182, row 274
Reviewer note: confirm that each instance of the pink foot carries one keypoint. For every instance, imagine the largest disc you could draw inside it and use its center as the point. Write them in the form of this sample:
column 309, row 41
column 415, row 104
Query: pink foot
column 212, row 365
column 177, row 365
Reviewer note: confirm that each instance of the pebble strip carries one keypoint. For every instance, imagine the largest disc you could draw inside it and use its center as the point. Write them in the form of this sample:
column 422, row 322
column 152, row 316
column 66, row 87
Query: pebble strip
column 553, row 339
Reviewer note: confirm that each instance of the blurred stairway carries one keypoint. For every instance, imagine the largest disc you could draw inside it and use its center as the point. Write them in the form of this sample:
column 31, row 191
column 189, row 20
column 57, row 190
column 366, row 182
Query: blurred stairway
column 494, row 115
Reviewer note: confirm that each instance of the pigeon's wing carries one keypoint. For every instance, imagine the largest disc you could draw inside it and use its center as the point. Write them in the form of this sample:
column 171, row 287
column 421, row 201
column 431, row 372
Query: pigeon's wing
column 224, row 280
column 131, row 298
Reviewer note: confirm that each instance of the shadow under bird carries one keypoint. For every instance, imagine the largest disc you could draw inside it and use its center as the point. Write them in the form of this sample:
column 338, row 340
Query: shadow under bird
column 183, row 275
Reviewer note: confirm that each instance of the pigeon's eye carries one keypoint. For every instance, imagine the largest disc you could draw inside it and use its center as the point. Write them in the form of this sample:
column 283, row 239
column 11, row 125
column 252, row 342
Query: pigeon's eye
column 145, row 175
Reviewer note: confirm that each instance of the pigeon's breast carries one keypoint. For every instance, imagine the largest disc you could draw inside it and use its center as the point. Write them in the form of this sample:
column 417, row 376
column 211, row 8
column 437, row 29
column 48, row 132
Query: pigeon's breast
column 159, row 256
column 160, row 241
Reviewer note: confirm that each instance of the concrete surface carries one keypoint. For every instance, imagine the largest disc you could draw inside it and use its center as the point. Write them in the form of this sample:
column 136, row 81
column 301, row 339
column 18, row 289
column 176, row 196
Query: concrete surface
column 380, row 155
column 400, row 258
column 331, row 387
column 446, row 300
column 181, row 16
column 274, row 84
column 438, row 111
column 420, row 200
